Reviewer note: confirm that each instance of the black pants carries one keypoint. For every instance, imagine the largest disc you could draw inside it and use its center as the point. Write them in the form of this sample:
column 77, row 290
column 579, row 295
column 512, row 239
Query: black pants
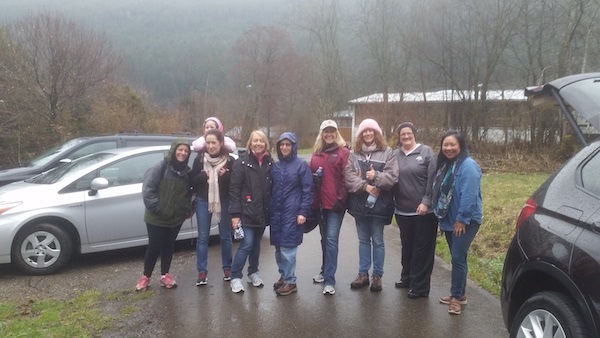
column 417, row 235
column 161, row 242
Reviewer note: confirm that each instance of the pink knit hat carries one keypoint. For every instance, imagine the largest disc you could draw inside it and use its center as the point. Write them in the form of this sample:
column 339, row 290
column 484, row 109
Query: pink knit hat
column 368, row 124
column 216, row 121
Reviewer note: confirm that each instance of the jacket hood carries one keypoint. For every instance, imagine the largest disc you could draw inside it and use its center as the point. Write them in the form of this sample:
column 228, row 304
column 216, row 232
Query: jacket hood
column 292, row 137
column 170, row 156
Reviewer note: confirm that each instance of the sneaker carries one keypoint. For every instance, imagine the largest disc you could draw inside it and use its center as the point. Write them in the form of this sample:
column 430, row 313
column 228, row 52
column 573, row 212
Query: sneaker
column 278, row 284
column 255, row 280
column 167, row 281
column 286, row 289
column 227, row 274
column 328, row 290
column 376, row 283
column 454, row 308
column 236, row 285
column 202, row 280
column 143, row 283
column 361, row 280
column 319, row 278
column 446, row 300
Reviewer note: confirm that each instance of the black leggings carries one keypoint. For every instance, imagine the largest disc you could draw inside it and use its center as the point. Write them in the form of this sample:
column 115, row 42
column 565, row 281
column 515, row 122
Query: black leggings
column 161, row 242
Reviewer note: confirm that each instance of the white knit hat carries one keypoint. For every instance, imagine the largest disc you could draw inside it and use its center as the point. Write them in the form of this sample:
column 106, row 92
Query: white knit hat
column 368, row 124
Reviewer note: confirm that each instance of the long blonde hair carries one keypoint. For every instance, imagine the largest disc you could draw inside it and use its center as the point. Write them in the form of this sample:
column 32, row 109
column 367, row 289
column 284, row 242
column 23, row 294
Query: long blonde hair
column 263, row 136
column 318, row 147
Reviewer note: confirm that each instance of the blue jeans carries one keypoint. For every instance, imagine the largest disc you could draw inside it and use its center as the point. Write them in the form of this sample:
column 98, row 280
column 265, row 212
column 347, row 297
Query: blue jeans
column 285, row 256
column 459, row 246
column 204, row 219
column 330, row 223
column 249, row 249
column 370, row 231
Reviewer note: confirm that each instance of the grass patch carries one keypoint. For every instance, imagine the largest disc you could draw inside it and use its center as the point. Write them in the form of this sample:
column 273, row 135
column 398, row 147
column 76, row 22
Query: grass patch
column 503, row 197
column 81, row 316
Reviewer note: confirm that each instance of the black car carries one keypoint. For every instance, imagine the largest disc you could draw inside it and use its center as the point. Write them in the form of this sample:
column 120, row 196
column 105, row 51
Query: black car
column 551, row 276
column 79, row 147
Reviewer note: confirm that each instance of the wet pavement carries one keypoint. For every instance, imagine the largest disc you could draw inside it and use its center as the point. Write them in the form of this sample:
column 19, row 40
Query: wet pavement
column 213, row 310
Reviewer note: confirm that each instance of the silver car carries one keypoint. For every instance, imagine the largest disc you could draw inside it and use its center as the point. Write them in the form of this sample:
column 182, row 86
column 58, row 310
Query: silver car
column 92, row 204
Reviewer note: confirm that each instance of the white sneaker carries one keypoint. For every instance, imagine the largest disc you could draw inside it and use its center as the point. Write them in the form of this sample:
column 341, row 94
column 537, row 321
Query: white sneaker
column 236, row 285
column 255, row 280
column 329, row 289
column 319, row 278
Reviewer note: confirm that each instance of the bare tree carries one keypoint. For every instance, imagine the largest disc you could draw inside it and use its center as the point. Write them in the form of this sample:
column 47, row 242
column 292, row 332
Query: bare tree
column 321, row 19
column 61, row 64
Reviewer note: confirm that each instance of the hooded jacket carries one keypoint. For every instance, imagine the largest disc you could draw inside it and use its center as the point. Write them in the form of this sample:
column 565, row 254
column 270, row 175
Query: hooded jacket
column 292, row 195
column 167, row 190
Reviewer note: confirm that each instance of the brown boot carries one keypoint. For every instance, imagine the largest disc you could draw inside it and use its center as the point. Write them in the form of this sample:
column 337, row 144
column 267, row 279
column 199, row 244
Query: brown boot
column 376, row 283
column 361, row 280
column 278, row 284
column 286, row 289
column 454, row 308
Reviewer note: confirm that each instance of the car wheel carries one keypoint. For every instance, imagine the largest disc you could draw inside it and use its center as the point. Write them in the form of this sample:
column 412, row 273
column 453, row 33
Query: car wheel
column 41, row 249
column 548, row 314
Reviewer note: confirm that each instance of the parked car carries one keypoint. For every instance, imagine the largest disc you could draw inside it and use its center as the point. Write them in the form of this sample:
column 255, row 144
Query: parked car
column 79, row 147
column 552, row 267
column 88, row 205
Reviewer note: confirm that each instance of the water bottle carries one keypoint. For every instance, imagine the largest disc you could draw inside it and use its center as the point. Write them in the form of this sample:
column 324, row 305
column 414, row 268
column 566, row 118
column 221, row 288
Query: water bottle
column 319, row 172
column 238, row 233
column 371, row 201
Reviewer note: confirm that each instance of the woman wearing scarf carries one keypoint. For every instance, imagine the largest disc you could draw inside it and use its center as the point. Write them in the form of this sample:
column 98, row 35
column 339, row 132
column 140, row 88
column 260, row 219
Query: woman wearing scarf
column 371, row 173
column 457, row 204
column 250, row 198
column 210, row 180
column 290, row 204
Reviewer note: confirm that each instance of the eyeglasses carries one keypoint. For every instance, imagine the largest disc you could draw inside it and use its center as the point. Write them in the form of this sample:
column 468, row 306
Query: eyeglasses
column 406, row 134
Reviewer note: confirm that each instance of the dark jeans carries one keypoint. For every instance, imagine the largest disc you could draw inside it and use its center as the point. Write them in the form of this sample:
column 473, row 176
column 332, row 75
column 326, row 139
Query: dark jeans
column 161, row 242
column 417, row 234
column 459, row 246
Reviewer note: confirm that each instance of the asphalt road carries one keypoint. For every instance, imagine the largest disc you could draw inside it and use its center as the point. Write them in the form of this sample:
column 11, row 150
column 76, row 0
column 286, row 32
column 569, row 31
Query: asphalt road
column 213, row 310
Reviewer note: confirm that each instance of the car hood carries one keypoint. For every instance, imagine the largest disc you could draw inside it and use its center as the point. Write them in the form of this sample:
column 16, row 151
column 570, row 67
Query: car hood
column 581, row 92
column 21, row 191
column 17, row 173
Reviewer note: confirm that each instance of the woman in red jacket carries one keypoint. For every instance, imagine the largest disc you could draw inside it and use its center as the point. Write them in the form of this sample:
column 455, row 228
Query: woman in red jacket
column 330, row 153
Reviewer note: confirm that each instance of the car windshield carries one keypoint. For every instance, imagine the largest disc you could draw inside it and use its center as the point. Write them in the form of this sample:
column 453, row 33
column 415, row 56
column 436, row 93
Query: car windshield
column 67, row 169
column 52, row 153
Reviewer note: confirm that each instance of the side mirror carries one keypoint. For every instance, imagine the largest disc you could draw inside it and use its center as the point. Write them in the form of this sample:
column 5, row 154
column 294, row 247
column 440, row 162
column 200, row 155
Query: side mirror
column 98, row 183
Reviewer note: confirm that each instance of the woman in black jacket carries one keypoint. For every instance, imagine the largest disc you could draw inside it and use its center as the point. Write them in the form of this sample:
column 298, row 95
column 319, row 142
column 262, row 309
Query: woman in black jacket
column 250, row 195
column 211, row 174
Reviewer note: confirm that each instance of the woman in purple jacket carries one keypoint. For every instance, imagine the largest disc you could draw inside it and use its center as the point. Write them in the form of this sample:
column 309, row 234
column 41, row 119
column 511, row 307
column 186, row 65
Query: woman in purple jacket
column 290, row 203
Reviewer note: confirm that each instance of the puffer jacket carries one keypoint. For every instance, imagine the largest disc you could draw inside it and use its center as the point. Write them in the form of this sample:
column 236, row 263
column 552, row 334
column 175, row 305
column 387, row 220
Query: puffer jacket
column 250, row 190
column 292, row 195
column 386, row 176
column 333, row 188
column 167, row 190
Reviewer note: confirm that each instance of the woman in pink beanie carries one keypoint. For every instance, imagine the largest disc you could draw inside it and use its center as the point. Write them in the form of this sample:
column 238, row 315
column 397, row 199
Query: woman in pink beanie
column 371, row 172
column 212, row 123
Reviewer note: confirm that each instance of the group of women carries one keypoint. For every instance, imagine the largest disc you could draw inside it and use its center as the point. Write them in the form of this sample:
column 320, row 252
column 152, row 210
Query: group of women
column 371, row 181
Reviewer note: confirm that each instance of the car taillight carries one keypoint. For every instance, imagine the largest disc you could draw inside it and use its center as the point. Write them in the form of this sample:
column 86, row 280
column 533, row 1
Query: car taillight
column 528, row 209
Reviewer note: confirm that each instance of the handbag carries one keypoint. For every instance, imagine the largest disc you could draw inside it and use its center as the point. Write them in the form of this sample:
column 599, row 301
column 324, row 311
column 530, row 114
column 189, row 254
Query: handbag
column 312, row 220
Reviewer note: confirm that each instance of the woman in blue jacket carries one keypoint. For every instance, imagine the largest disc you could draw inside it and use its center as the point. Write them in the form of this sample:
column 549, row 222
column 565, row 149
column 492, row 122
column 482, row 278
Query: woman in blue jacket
column 290, row 203
column 457, row 203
